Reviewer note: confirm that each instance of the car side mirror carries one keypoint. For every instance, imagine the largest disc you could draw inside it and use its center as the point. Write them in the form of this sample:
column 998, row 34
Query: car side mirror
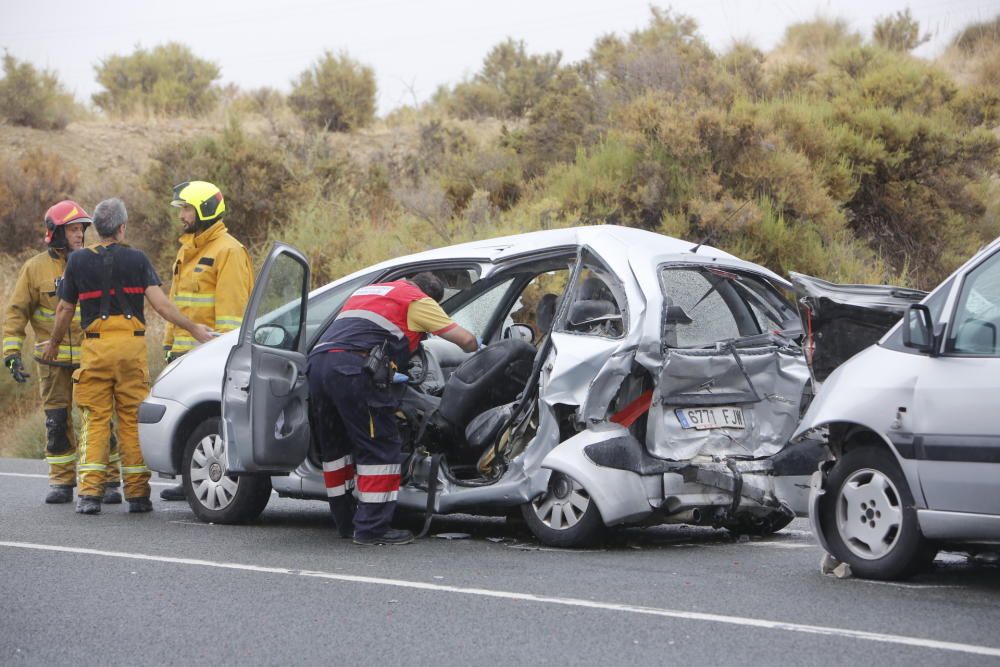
column 677, row 315
column 918, row 329
column 271, row 335
column 520, row 332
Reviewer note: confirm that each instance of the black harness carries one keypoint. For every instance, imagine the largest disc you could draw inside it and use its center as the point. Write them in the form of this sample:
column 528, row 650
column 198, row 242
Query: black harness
column 110, row 281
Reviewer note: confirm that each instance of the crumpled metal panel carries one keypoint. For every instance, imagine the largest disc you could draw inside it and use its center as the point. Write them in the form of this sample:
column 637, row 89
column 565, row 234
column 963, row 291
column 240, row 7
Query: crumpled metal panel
column 693, row 378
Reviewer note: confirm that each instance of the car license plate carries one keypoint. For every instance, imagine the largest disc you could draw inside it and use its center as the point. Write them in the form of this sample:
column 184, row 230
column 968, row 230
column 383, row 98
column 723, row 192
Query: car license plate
column 706, row 418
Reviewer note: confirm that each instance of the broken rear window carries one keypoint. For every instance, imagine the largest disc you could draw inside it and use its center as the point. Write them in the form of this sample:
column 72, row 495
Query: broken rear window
column 706, row 305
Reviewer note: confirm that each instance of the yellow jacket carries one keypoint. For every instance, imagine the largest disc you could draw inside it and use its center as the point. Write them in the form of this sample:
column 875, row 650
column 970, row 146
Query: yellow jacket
column 212, row 280
column 34, row 302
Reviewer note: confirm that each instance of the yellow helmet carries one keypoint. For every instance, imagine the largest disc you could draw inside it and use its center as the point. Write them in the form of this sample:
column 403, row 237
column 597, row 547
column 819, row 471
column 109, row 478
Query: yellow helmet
column 203, row 196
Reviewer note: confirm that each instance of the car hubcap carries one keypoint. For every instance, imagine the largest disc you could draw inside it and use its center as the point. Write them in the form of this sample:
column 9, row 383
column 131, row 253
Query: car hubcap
column 869, row 514
column 212, row 486
column 564, row 504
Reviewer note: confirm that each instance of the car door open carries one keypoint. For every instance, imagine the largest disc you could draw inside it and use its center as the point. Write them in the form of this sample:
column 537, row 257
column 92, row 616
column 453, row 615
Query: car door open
column 265, row 393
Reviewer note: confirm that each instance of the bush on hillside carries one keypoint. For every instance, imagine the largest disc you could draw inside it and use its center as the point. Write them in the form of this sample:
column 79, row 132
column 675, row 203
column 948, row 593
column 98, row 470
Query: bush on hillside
column 168, row 79
column 510, row 82
column 259, row 185
column 34, row 98
column 337, row 94
column 899, row 32
column 668, row 56
column 814, row 41
column 29, row 185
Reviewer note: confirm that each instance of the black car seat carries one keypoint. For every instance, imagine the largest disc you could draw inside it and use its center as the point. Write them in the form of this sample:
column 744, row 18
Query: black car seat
column 493, row 376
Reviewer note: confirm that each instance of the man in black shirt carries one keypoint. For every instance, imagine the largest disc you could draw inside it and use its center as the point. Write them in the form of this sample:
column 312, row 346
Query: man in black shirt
column 110, row 281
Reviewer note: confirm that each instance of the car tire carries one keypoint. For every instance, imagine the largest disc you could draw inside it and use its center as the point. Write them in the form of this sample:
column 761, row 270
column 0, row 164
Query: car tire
column 214, row 496
column 565, row 515
column 869, row 518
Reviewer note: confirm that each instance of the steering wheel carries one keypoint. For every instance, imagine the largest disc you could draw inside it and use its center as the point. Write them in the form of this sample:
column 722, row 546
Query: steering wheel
column 417, row 368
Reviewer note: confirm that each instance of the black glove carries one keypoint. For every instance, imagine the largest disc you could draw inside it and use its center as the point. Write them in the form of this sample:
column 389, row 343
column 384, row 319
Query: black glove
column 16, row 368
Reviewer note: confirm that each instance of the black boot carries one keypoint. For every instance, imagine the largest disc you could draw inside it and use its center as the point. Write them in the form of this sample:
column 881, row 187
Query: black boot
column 59, row 494
column 342, row 508
column 139, row 505
column 173, row 493
column 112, row 496
column 391, row 536
column 88, row 505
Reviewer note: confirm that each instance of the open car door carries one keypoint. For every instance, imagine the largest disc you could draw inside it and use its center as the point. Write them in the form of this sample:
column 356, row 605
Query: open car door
column 265, row 419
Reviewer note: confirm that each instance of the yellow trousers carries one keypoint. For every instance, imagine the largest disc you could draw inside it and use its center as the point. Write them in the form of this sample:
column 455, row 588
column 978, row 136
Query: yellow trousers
column 113, row 377
column 56, row 384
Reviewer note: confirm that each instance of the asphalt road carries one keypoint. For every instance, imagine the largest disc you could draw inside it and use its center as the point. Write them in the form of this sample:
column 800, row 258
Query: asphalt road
column 120, row 589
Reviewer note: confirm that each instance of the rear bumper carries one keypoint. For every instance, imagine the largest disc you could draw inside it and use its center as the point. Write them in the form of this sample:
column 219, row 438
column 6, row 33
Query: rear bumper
column 158, row 422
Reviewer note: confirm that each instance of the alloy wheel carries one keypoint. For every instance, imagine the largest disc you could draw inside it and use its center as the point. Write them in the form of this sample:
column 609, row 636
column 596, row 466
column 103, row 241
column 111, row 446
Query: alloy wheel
column 869, row 514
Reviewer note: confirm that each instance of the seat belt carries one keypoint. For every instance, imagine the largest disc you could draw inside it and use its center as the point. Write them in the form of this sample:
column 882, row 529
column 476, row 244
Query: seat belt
column 432, row 487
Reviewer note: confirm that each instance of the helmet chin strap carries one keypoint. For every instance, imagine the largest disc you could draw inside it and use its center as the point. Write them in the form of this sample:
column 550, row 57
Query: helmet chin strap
column 200, row 226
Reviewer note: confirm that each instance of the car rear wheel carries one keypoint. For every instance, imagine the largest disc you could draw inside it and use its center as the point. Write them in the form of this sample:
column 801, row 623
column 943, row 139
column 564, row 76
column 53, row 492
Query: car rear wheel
column 565, row 516
column 868, row 517
column 214, row 495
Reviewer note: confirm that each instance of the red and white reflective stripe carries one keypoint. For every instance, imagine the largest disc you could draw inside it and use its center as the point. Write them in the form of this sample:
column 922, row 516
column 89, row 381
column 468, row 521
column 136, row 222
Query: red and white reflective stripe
column 378, row 483
column 374, row 290
column 338, row 476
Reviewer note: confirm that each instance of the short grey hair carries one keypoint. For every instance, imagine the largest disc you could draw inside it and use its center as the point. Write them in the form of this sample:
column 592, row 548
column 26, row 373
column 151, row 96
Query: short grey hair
column 109, row 215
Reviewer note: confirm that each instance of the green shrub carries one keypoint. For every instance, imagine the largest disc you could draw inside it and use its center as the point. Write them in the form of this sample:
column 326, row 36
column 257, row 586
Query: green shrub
column 29, row 185
column 337, row 93
column 509, row 83
column 899, row 32
column 34, row 98
column 258, row 182
column 168, row 80
column 815, row 40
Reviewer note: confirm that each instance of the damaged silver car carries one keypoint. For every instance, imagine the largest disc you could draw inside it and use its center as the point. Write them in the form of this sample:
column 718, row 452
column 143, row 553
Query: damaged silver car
column 910, row 422
column 628, row 378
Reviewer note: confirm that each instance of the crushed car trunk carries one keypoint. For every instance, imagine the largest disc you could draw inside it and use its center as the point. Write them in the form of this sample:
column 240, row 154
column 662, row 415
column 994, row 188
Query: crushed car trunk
column 842, row 320
column 727, row 401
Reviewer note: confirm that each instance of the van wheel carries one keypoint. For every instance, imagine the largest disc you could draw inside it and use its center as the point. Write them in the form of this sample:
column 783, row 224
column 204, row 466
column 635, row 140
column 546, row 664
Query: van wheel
column 214, row 496
column 565, row 516
column 868, row 517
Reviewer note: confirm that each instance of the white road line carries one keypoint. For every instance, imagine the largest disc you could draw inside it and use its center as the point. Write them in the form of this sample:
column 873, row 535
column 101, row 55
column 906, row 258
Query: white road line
column 38, row 476
column 917, row 642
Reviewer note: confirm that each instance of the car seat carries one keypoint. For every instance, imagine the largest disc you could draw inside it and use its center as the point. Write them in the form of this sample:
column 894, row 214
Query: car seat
column 493, row 376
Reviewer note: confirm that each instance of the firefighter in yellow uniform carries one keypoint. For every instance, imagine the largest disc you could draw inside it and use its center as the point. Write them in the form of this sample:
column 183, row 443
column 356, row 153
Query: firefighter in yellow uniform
column 212, row 276
column 111, row 282
column 34, row 302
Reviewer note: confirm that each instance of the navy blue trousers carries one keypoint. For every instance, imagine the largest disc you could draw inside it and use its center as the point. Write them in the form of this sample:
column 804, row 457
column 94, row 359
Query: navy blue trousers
column 359, row 441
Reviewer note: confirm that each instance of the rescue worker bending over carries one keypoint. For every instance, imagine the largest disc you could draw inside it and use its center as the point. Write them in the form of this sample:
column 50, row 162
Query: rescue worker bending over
column 109, row 280
column 34, row 302
column 353, row 398
column 213, row 274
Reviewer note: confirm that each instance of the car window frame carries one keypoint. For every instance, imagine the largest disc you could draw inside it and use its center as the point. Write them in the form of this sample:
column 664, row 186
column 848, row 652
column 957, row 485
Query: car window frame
column 586, row 256
column 950, row 322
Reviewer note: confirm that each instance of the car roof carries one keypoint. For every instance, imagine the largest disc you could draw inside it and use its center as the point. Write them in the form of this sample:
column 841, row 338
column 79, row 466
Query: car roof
column 644, row 247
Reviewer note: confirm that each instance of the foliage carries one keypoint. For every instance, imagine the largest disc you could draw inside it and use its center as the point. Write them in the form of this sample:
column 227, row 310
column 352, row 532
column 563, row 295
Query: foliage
column 508, row 84
column 29, row 185
column 167, row 80
column 34, row 98
column 258, row 182
column 899, row 32
column 337, row 93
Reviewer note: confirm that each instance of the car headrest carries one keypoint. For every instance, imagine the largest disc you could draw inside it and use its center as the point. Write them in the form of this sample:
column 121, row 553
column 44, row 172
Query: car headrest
column 588, row 309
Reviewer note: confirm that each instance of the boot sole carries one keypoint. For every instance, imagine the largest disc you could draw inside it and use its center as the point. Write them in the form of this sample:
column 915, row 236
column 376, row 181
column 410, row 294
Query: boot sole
column 379, row 542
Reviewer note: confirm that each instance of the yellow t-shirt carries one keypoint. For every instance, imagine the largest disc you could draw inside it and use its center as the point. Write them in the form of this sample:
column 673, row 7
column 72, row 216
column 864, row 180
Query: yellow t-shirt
column 426, row 316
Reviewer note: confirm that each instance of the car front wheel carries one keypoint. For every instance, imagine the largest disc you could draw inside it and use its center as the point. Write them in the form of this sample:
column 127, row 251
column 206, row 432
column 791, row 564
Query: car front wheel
column 565, row 516
column 214, row 495
column 869, row 519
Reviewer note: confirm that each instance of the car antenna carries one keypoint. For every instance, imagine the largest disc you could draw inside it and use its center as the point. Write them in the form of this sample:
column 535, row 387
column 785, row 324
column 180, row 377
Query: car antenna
column 711, row 235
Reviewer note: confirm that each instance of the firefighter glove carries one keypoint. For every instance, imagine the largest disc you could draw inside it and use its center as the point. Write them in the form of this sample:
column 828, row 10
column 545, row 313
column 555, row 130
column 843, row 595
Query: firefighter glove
column 16, row 368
